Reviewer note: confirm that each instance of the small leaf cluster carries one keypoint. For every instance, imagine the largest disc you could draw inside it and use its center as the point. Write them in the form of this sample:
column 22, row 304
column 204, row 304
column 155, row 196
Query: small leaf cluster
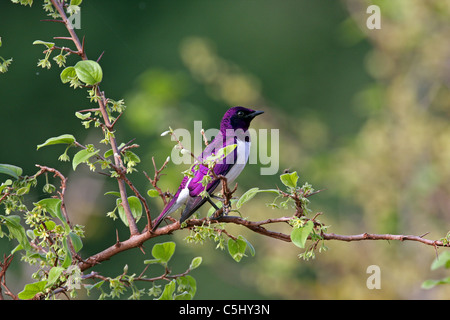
column 237, row 246
column 135, row 206
column 294, row 197
column 24, row 2
column 182, row 287
column 85, row 72
column 4, row 63
column 443, row 260
column 207, row 231
column 82, row 156
column 179, row 286
column 304, row 229
column 47, row 240
column 118, row 286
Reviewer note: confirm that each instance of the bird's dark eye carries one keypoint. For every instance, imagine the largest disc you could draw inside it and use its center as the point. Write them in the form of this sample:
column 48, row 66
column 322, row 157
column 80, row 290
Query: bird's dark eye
column 240, row 113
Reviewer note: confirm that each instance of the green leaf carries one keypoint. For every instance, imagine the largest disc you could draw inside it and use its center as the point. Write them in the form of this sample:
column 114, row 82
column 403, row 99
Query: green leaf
column 153, row 193
column 131, row 156
column 49, row 204
column 76, row 241
column 11, row 170
column 163, row 251
column 8, row 182
column 62, row 139
column 249, row 246
column 96, row 285
column 443, row 260
column 32, row 289
column 89, row 72
column 152, row 261
column 30, row 234
column 82, row 156
column 289, row 179
column 17, row 248
column 221, row 153
column 49, row 45
column 187, row 286
column 121, row 211
column 82, row 116
column 195, row 263
column 16, row 230
column 168, row 292
column 135, row 207
column 68, row 258
column 428, row 284
column 236, row 248
column 108, row 153
column 53, row 275
column 50, row 225
column 68, row 74
column 75, row 2
column 248, row 195
column 113, row 193
column 23, row 190
column 183, row 296
column 52, row 206
column 300, row 235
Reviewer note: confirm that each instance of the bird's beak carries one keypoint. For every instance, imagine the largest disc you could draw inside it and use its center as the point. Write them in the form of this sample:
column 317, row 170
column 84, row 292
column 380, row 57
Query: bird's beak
column 254, row 114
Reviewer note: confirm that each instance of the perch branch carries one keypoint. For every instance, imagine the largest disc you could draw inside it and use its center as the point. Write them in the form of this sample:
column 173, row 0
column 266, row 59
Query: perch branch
column 256, row 226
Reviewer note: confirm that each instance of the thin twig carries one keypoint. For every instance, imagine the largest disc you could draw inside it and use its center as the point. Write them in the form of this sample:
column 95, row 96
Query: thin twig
column 3, row 267
column 156, row 178
column 63, row 179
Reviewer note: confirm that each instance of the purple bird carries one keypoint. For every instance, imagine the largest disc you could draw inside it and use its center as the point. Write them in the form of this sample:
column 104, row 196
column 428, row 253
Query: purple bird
column 233, row 131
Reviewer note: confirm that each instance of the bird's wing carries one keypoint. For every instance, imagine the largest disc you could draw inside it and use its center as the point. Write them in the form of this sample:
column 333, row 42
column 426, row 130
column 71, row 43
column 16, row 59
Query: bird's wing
column 221, row 168
column 173, row 205
column 194, row 203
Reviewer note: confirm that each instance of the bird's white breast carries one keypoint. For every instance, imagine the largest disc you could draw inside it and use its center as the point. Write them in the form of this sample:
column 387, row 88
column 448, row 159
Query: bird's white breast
column 243, row 151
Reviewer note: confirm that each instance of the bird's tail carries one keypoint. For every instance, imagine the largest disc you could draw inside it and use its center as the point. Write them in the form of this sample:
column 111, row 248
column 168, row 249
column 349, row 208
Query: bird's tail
column 169, row 208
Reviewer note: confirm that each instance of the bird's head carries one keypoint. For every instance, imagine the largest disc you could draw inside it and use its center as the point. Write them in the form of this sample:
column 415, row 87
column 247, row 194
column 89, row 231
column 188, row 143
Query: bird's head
column 238, row 118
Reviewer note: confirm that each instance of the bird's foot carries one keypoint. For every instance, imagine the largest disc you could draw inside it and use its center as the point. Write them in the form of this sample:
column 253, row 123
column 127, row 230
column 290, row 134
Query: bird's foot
column 226, row 208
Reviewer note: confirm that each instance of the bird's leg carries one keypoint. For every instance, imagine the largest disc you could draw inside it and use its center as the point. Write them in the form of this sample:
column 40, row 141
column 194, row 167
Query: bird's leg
column 217, row 213
column 226, row 204
column 212, row 203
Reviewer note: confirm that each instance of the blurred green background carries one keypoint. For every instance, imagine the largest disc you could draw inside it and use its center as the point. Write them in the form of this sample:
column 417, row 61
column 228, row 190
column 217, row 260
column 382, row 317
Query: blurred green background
column 363, row 113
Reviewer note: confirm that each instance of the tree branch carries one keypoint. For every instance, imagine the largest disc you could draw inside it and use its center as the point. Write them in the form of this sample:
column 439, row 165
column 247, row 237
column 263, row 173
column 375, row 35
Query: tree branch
column 102, row 107
column 58, row 6
column 256, row 226
column 396, row 237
